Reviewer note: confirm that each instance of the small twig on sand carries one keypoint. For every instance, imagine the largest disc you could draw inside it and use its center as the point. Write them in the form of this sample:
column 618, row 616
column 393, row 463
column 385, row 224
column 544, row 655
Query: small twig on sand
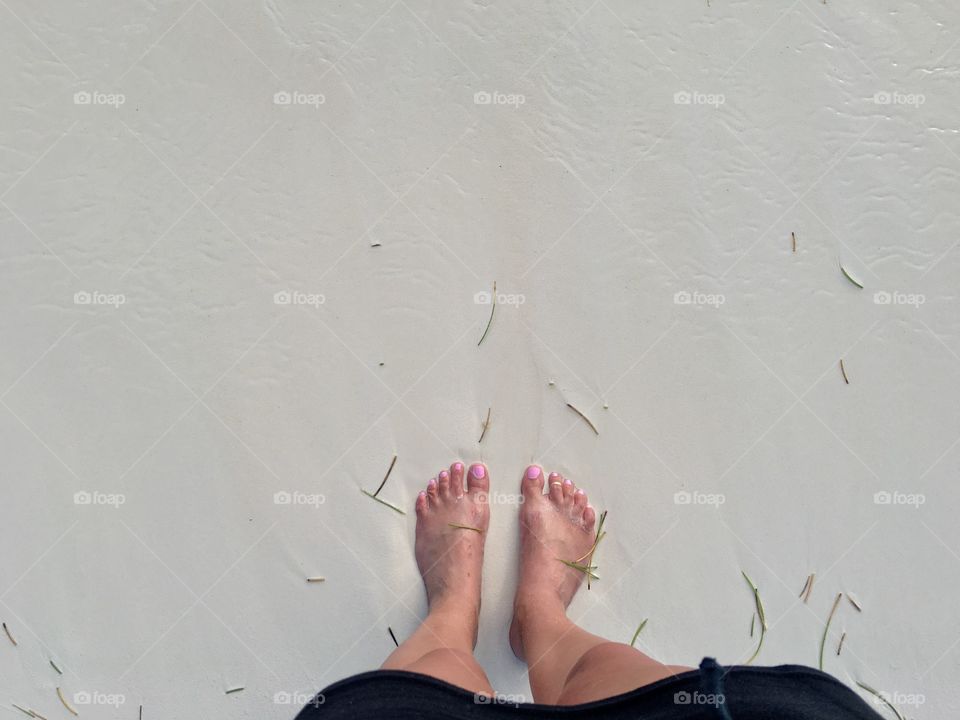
column 233, row 690
column 390, row 630
column 826, row 627
column 65, row 703
column 849, row 277
column 854, row 603
column 316, row 579
column 383, row 502
column 840, row 645
column 493, row 309
column 54, row 666
column 843, row 370
column 7, row 631
column 585, row 418
column 486, row 424
column 386, row 477
column 760, row 613
column 793, row 239
column 637, row 633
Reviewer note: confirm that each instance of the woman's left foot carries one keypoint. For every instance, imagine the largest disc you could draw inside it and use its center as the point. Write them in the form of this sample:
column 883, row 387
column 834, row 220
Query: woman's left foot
column 452, row 521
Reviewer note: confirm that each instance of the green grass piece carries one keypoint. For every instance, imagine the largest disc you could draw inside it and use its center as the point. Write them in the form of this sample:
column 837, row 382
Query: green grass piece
column 382, row 502
column 826, row 627
column 637, row 633
column 493, row 309
column 760, row 613
column 882, row 699
column 849, row 277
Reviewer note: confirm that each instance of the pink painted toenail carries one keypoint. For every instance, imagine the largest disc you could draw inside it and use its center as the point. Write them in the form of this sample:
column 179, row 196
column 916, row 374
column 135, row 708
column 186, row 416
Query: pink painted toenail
column 554, row 476
column 478, row 471
column 432, row 483
column 444, row 474
column 533, row 472
column 579, row 492
column 421, row 494
column 458, row 467
column 567, row 483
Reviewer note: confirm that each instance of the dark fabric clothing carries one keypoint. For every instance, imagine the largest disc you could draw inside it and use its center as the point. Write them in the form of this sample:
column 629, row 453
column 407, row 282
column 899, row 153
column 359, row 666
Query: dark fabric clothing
column 787, row 692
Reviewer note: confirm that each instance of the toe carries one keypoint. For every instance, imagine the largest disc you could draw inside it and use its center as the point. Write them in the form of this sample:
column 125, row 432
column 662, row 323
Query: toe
column 444, row 484
column 568, row 489
column 580, row 498
column 556, row 488
column 421, row 502
column 456, row 484
column 532, row 483
column 456, row 479
column 432, row 488
column 478, row 479
column 589, row 517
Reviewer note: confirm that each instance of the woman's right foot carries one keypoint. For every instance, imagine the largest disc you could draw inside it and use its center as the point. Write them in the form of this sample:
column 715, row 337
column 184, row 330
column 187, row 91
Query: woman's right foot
column 555, row 526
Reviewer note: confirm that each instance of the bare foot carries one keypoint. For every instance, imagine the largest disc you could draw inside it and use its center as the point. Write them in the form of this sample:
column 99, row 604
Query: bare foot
column 554, row 526
column 451, row 558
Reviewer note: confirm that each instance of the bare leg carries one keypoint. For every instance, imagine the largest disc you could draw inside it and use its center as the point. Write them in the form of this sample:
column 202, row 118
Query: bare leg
column 567, row 665
column 450, row 560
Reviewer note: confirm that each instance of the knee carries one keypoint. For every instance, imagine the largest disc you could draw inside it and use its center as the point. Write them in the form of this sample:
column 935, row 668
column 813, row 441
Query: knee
column 456, row 667
column 606, row 670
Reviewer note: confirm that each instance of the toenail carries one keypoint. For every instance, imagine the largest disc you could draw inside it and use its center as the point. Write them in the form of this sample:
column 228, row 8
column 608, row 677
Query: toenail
column 567, row 483
column 554, row 476
column 533, row 472
column 458, row 466
column 444, row 474
column 478, row 471
column 579, row 492
column 432, row 482
column 421, row 494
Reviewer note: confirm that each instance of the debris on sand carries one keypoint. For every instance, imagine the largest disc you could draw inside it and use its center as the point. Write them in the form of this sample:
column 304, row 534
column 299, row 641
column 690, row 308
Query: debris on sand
column 493, row 309
column 384, row 482
column 486, row 424
column 585, row 419
column 760, row 613
column 826, row 627
column 850, row 277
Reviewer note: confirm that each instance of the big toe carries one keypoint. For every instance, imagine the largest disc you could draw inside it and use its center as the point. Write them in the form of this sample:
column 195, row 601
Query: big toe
column 532, row 484
column 478, row 478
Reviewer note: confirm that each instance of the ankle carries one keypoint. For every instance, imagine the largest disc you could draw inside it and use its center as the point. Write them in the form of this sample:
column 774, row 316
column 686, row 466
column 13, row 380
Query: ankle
column 455, row 618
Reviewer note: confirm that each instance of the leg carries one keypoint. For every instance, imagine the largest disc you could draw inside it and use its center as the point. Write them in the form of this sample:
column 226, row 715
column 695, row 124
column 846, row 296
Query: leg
column 567, row 665
column 450, row 560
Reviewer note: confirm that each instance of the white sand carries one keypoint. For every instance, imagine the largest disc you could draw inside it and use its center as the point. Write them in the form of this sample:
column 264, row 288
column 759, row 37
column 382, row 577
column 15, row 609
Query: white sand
column 597, row 199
